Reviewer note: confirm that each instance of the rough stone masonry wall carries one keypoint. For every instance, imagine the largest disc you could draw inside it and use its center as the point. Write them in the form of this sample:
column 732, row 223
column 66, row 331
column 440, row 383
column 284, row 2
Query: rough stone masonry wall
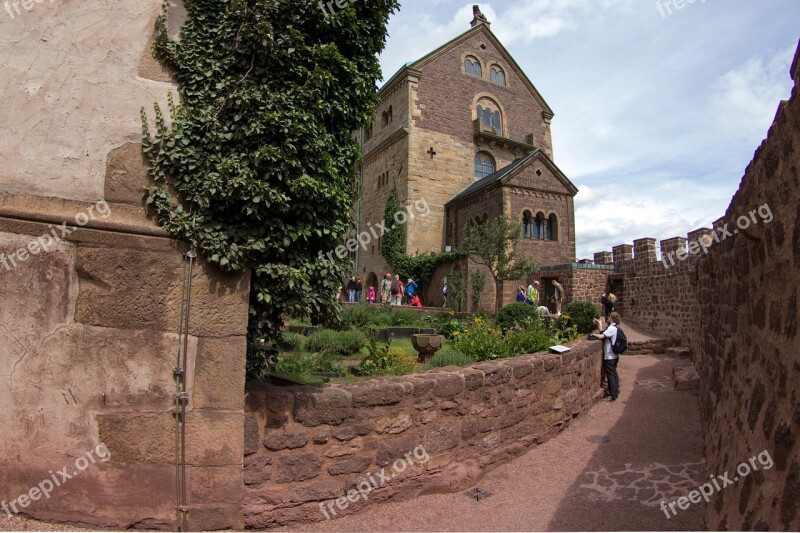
column 658, row 298
column 747, row 350
column 310, row 444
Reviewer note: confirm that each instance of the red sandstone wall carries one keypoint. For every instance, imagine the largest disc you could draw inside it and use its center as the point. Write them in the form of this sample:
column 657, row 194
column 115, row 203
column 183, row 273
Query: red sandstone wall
column 310, row 445
column 747, row 349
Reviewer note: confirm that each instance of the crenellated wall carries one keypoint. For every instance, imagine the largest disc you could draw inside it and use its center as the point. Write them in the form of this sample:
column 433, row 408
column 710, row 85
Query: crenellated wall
column 731, row 293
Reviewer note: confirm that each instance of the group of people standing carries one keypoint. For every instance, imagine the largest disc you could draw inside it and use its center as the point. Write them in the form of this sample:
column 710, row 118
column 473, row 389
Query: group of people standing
column 392, row 291
column 531, row 296
column 395, row 292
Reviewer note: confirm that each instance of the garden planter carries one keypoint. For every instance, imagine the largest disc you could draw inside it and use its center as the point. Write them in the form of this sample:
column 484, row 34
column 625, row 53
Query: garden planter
column 426, row 345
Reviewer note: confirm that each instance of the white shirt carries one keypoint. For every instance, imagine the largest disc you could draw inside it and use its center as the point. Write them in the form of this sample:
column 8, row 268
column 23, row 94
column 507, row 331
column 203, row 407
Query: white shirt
column 610, row 335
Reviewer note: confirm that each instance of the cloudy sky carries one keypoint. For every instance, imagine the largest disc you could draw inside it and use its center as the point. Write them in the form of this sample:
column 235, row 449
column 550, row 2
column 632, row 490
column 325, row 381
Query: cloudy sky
column 657, row 113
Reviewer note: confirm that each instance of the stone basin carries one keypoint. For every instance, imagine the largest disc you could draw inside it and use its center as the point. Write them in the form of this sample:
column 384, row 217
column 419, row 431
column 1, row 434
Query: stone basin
column 426, row 345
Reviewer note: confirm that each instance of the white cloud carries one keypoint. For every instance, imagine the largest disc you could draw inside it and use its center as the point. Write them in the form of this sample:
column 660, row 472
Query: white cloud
column 746, row 97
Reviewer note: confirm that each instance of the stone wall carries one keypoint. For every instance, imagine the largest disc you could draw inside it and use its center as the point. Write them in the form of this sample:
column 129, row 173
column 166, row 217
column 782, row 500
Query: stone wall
column 308, row 446
column 89, row 322
column 87, row 347
column 747, row 345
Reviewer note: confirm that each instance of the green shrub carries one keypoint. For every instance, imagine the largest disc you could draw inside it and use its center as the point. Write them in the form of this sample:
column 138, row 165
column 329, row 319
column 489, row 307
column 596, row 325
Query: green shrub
column 529, row 337
column 292, row 342
column 358, row 316
column 328, row 341
column 297, row 364
column 406, row 317
column 515, row 314
column 581, row 314
column 449, row 356
column 481, row 341
column 385, row 360
column 451, row 325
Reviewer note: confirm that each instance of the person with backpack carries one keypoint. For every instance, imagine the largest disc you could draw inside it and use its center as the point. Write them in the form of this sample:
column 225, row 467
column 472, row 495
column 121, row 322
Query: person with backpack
column 614, row 344
column 396, row 290
column 411, row 290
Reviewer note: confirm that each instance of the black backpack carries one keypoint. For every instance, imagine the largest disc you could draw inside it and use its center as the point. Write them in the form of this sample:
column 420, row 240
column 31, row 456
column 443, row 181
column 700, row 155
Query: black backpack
column 621, row 344
column 395, row 287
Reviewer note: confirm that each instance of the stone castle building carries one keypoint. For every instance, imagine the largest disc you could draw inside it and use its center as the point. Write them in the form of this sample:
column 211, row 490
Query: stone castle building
column 465, row 130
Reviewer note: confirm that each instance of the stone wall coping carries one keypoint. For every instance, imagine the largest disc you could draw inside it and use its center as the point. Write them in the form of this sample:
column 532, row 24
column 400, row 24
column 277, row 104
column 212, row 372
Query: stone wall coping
column 123, row 218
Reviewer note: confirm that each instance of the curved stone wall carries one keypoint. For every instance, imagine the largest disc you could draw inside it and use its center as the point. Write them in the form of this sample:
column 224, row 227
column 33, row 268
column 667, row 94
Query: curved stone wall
column 308, row 447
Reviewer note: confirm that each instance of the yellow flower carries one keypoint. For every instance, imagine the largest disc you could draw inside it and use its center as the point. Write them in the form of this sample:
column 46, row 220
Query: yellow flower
column 455, row 333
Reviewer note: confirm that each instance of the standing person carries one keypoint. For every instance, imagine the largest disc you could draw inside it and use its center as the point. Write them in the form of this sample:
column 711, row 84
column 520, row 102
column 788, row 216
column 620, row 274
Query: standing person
column 371, row 295
column 359, row 289
column 395, row 290
column 352, row 285
column 386, row 286
column 609, row 303
column 610, row 359
column 521, row 294
column 411, row 290
column 558, row 295
column 444, row 293
column 533, row 293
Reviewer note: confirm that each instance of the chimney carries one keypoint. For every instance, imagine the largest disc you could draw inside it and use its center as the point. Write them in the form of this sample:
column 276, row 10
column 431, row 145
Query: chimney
column 478, row 17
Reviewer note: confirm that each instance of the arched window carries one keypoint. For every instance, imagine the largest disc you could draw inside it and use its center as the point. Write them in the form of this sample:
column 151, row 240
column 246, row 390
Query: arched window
column 552, row 228
column 488, row 112
column 539, row 226
column 472, row 67
column 527, row 225
column 497, row 76
column 484, row 164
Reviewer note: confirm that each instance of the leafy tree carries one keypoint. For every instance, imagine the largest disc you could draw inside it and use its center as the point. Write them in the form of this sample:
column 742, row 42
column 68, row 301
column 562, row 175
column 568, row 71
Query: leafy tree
column 257, row 166
column 494, row 245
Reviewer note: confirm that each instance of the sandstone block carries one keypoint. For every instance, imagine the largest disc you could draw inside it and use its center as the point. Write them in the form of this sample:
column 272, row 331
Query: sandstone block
column 324, row 405
column 280, row 441
column 296, row 467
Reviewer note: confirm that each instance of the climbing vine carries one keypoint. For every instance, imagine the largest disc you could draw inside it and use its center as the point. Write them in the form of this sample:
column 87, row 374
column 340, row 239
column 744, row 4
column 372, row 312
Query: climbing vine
column 255, row 165
column 420, row 267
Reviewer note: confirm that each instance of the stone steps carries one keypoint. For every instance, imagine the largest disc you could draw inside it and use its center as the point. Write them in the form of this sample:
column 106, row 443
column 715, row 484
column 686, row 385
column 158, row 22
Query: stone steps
column 657, row 346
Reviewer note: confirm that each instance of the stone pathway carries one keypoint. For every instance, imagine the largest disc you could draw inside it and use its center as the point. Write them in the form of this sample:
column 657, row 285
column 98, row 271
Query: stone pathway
column 653, row 454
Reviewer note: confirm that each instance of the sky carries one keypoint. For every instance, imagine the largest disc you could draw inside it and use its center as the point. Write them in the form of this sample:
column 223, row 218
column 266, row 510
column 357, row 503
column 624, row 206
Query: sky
column 658, row 110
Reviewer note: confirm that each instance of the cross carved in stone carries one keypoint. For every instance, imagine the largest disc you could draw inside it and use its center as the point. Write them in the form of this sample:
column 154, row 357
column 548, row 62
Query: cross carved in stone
column 430, row 151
